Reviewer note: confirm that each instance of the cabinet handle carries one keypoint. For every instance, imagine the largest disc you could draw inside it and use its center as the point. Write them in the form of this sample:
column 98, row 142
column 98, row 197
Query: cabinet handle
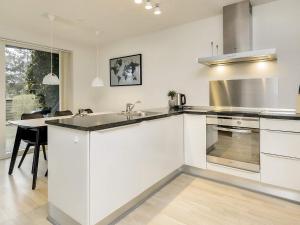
column 281, row 131
column 281, row 156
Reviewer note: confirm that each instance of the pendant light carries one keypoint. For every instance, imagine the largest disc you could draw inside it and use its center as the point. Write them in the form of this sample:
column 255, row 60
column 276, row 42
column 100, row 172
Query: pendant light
column 148, row 5
column 51, row 78
column 157, row 10
column 97, row 81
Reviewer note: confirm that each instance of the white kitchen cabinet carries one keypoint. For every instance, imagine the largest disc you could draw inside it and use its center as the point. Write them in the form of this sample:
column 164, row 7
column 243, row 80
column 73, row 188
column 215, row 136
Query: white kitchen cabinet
column 94, row 173
column 280, row 153
column 280, row 143
column 68, row 180
column 280, row 171
column 195, row 140
column 126, row 161
column 280, row 125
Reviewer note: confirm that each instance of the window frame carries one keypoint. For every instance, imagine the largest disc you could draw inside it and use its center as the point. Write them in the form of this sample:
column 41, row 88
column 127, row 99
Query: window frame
column 12, row 43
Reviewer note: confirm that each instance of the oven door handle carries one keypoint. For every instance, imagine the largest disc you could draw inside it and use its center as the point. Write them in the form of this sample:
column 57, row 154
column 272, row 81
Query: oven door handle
column 233, row 130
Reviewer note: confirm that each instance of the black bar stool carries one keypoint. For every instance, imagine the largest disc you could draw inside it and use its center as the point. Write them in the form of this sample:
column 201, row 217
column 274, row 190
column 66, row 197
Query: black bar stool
column 88, row 111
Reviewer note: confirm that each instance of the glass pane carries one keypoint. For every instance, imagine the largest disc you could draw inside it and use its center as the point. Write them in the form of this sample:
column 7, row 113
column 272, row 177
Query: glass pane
column 25, row 93
column 236, row 146
column 233, row 147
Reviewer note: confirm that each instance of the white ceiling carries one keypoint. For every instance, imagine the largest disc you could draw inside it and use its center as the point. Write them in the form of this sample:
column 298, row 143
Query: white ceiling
column 115, row 19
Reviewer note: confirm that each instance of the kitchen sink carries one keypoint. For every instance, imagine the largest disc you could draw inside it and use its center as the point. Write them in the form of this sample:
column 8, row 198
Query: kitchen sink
column 140, row 113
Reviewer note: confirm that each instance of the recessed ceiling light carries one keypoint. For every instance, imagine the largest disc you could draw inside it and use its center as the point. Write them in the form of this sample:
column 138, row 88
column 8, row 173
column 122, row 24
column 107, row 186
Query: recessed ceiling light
column 157, row 10
column 138, row 1
column 148, row 5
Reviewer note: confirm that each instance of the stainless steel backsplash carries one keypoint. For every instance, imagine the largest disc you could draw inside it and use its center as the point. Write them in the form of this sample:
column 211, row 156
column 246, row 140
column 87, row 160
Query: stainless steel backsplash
column 256, row 93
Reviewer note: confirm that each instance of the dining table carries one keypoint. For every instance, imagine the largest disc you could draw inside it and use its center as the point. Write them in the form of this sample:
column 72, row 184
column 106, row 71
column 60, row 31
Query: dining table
column 36, row 125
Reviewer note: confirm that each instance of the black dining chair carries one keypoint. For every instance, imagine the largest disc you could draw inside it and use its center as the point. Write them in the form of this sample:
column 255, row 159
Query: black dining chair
column 29, row 135
column 63, row 113
column 44, row 111
column 88, row 111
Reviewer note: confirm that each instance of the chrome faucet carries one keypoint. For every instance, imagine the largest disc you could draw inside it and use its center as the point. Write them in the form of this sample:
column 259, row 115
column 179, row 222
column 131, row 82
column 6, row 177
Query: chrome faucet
column 130, row 106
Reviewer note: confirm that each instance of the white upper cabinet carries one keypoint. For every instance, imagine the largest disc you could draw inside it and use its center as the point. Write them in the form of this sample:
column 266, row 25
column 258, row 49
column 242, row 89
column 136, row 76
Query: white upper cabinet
column 195, row 140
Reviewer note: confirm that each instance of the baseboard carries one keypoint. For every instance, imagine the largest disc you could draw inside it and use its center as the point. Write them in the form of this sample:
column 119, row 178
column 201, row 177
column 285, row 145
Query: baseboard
column 120, row 213
column 251, row 185
column 57, row 217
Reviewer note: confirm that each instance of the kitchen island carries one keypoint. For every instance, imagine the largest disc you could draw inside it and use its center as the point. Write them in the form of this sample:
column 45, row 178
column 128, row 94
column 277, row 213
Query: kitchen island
column 101, row 166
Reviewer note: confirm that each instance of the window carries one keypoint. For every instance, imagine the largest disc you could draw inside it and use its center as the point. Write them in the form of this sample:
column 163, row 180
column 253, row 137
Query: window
column 24, row 72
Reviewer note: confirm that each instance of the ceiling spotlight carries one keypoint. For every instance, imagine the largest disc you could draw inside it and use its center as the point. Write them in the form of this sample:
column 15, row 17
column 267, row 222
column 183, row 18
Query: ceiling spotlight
column 157, row 10
column 138, row 1
column 148, row 5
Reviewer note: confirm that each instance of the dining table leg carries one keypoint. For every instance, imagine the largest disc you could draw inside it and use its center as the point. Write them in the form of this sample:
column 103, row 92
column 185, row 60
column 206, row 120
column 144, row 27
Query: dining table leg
column 36, row 159
column 15, row 150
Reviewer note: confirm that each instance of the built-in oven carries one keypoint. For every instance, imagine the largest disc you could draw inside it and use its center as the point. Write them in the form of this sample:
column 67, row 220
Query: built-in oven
column 234, row 141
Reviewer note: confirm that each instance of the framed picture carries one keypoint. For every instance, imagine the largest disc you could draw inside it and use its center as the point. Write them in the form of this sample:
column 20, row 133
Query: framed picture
column 126, row 71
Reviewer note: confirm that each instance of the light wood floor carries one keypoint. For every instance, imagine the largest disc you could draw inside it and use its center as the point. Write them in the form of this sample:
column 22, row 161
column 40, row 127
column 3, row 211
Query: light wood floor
column 19, row 205
column 185, row 201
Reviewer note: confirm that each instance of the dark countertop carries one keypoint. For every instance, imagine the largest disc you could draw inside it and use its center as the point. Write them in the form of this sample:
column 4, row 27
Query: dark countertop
column 106, row 121
column 280, row 115
column 234, row 113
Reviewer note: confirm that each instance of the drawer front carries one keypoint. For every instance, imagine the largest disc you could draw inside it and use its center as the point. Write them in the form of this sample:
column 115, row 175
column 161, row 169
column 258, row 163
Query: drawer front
column 280, row 143
column 281, row 125
column 280, row 171
column 233, row 171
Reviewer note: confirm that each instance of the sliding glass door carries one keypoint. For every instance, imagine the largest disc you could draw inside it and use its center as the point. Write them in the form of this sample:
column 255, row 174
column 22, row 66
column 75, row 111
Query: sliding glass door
column 25, row 69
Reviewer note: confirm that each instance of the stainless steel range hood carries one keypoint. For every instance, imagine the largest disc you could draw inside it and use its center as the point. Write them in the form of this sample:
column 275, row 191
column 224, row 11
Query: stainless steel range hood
column 249, row 56
column 237, row 38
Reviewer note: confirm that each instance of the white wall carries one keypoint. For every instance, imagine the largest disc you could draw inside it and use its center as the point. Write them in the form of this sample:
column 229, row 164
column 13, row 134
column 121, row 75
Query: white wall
column 169, row 62
column 169, row 59
column 277, row 25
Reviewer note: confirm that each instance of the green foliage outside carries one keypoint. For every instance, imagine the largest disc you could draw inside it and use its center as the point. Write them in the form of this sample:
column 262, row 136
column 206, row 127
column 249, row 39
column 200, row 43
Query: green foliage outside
column 25, row 103
column 16, row 63
column 39, row 67
column 25, row 70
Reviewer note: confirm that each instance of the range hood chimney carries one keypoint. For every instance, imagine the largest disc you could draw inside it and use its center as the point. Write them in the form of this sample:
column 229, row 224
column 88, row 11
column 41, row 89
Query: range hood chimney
column 237, row 27
column 237, row 38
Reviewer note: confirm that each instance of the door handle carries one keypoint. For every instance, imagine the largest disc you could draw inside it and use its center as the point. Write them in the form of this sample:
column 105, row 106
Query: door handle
column 280, row 156
column 241, row 131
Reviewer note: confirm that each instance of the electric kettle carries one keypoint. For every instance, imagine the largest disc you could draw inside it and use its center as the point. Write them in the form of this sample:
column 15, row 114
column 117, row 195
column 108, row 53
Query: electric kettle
column 180, row 100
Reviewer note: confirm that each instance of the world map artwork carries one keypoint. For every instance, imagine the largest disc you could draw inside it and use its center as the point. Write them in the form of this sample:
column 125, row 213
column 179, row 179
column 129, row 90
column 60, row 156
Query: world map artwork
column 126, row 71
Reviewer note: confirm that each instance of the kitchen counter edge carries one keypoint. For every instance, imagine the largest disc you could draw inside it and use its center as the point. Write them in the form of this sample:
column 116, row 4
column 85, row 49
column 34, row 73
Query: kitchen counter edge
column 63, row 122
